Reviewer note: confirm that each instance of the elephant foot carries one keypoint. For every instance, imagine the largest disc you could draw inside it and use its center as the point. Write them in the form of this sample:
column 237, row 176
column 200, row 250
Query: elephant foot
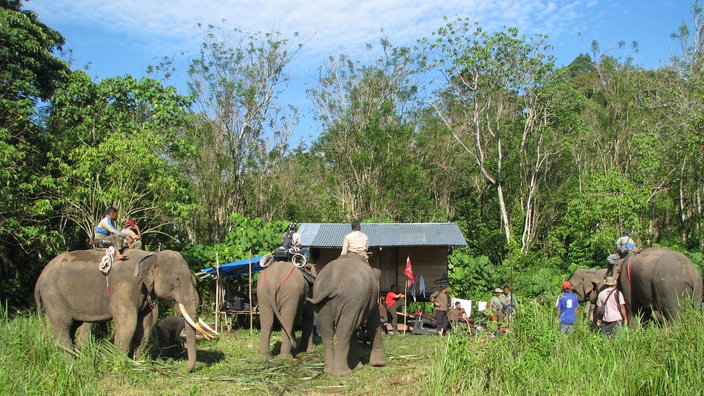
column 341, row 373
column 265, row 355
column 377, row 363
column 285, row 355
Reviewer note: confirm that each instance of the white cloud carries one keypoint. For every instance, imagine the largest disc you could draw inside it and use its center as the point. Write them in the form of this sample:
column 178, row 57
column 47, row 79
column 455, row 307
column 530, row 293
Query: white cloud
column 330, row 24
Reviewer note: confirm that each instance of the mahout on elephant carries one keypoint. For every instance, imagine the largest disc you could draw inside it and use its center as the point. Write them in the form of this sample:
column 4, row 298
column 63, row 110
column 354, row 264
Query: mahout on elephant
column 282, row 290
column 73, row 291
column 345, row 297
column 658, row 283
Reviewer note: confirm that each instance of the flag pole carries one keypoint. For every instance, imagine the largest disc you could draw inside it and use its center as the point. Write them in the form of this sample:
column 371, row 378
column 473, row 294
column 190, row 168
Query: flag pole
column 405, row 304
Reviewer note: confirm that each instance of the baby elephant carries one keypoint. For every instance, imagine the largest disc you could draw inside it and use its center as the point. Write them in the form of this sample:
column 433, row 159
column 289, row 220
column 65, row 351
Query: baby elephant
column 168, row 332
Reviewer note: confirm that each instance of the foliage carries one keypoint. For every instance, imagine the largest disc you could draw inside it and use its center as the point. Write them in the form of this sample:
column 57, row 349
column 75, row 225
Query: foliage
column 28, row 76
column 114, row 145
column 533, row 358
column 248, row 238
column 241, row 129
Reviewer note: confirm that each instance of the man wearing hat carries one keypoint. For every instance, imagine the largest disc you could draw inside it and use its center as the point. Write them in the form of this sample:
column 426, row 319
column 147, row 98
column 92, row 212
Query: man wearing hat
column 496, row 305
column 611, row 308
column 442, row 303
column 567, row 304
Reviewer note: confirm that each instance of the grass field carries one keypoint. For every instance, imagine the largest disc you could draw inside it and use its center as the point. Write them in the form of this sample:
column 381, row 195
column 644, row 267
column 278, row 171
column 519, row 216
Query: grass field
column 532, row 359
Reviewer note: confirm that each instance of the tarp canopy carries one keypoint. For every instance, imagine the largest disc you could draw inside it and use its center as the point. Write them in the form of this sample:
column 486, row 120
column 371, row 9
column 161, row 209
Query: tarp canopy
column 235, row 268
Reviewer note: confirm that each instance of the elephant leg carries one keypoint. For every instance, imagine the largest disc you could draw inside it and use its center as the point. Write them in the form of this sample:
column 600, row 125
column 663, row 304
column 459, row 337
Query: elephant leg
column 125, row 327
column 306, row 341
column 377, row 358
column 346, row 351
column 287, row 316
column 83, row 334
column 63, row 330
column 266, row 323
column 326, row 326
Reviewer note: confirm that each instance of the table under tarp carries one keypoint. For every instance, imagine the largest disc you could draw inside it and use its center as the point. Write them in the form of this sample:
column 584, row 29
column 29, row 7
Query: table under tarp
column 231, row 270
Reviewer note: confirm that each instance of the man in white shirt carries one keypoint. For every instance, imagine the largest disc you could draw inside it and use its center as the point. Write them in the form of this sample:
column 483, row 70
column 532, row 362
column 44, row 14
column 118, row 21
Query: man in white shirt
column 613, row 313
column 356, row 241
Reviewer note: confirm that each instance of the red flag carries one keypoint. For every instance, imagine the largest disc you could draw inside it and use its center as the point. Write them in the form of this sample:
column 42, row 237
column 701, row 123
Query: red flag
column 409, row 272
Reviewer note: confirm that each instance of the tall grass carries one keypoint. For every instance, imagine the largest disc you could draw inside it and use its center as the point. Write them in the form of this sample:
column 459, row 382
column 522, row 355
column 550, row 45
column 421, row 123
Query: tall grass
column 533, row 358
column 31, row 363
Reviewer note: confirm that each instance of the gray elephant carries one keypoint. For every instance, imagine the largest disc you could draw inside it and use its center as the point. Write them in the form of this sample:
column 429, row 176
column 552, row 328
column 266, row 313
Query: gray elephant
column 657, row 282
column 168, row 332
column 345, row 297
column 282, row 290
column 72, row 291
column 586, row 284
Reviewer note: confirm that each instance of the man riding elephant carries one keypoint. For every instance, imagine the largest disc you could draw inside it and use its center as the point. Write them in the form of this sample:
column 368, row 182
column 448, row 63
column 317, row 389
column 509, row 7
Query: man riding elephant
column 624, row 246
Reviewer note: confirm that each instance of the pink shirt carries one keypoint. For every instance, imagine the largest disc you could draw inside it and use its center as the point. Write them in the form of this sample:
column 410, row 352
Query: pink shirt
column 613, row 310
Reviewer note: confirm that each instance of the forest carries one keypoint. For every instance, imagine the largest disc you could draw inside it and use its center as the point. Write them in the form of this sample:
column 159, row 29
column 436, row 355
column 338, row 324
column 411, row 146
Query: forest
column 541, row 166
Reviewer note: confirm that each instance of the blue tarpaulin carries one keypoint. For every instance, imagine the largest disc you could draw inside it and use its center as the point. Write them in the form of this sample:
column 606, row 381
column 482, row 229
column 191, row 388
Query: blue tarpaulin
column 235, row 268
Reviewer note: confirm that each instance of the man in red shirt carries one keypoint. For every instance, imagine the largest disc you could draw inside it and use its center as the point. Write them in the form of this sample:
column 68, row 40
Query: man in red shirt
column 394, row 301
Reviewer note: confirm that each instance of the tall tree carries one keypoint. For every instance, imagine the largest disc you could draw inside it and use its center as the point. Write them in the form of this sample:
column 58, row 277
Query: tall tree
column 240, row 126
column 485, row 76
column 368, row 132
column 29, row 71
column 115, row 144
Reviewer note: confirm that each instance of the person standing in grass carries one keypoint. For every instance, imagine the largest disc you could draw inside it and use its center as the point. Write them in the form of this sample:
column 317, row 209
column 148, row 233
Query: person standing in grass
column 496, row 306
column 510, row 304
column 613, row 314
column 442, row 304
column 567, row 304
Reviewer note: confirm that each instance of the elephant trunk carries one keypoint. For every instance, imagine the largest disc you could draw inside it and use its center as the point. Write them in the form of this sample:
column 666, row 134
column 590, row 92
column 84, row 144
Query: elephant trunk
column 190, row 333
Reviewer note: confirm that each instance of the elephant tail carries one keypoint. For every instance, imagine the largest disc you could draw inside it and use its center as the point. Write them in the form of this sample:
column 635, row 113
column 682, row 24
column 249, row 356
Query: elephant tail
column 40, row 306
column 323, row 295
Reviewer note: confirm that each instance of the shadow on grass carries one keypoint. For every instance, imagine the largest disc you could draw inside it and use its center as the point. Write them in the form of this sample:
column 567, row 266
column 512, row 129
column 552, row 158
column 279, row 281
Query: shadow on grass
column 210, row 357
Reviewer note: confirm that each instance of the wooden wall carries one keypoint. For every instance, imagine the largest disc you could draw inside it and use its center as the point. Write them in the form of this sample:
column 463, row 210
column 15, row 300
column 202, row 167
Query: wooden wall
column 431, row 262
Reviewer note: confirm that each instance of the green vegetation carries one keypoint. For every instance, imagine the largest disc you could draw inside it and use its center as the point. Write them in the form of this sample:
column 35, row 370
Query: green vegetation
column 533, row 358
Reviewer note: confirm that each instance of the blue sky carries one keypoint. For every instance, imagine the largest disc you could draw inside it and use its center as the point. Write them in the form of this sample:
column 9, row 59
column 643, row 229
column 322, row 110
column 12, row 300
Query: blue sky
column 124, row 37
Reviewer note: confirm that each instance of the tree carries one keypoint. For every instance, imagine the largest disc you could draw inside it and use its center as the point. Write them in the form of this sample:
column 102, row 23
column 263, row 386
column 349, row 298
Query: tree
column 115, row 144
column 29, row 71
column 489, row 80
column 239, row 126
column 366, row 146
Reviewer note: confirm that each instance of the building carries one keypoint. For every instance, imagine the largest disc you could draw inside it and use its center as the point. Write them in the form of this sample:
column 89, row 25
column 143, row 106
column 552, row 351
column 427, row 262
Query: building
column 427, row 245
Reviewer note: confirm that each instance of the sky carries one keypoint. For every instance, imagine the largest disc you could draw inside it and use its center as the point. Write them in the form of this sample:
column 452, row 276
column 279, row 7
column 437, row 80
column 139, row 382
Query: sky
column 114, row 38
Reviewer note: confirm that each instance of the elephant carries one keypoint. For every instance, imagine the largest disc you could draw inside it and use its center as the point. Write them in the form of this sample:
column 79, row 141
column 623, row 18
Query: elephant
column 168, row 332
column 657, row 281
column 73, row 292
column 345, row 297
column 282, row 290
column 586, row 284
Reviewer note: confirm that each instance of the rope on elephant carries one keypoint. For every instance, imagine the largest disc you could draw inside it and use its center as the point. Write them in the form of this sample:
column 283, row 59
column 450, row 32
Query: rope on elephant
column 107, row 261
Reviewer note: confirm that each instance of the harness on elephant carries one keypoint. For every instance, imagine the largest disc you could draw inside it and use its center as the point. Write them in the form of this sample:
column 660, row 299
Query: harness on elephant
column 106, row 265
column 285, row 278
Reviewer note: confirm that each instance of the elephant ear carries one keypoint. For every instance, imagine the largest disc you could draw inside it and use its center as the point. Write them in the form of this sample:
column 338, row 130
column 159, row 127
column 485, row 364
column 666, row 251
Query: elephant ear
column 146, row 270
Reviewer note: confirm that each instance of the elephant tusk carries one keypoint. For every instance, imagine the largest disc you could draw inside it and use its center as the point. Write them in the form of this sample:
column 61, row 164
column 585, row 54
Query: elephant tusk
column 190, row 321
column 205, row 325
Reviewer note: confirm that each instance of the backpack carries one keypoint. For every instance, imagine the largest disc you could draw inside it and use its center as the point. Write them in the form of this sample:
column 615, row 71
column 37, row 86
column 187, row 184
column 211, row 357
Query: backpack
column 623, row 250
column 602, row 309
column 288, row 237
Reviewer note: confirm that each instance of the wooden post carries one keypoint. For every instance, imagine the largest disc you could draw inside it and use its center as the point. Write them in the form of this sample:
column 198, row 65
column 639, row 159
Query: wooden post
column 405, row 305
column 217, row 291
column 251, row 320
